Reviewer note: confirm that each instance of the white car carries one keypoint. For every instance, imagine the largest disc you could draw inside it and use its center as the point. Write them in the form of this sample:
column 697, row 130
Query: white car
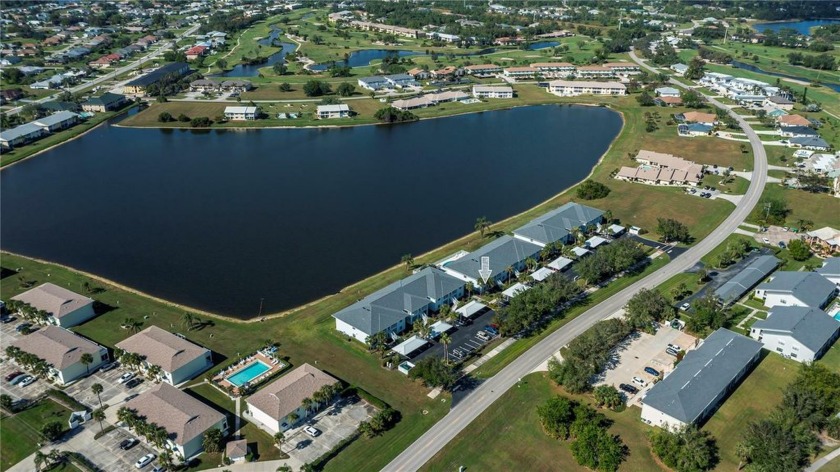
column 145, row 460
column 28, row 381
column 675, row 347
column 766, row 241
column 639, row 382
column 685, row 306
column 126, row 377
column 314, row 432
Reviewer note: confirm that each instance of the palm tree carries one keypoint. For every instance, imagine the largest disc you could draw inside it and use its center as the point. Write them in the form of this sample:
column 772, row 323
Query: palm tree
column 187, row 320
column 445, row 340
column 509, row 271
column 212, row 440
column 408, row 260
column 482, row 224
column 545, row 252
column 307, row 404
column 40, row 459
column 279, row 438
column 531, row 263
column 132, row 325
column 55, row 457
column 160, row 436
column 154, row 371
column 99, row 416
column 97, row 389
column 742, row 451
column 86, row 360
column 165, row 459
column 293, row 417
column 470, row 288
column 608, row 216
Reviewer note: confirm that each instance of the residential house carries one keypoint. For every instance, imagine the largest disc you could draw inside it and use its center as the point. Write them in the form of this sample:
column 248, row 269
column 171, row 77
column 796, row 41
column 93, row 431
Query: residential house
column 448, row 71
column 492, row 91
column 63, row 351
column 736, row 287
column 798, row 131
column 236, row 85
column 679, row 69
column 418, row 73
column 20, row 135
column 520, row 73
column 195, row 52
column 662, row 169
column 106, row 102
column 400, row 80
column 668, row 101
column 778, row 101
column 179, row 359
column 273, row 405
column 667, row 92
column 796, row 289
column 333, row 111
column 572, row 88
column 139, row 85
column 374, row 83
column 393, row 308
column 809, row 142
column 623, row 68
column 388, row 29
column 792, row 120
column 505, row 257
column 412, row 103
column 694, row 390
column 698, row 117
column 483, row 70
column 830, row 270
column 65, row 308
column 803, row 334
column 205, row 86
column 58, row 121
column 185, row 418
column 447, row 96
column 559, row 225
column 595, row 72
column 241, row 113
column 10, row 95
column 825, row 240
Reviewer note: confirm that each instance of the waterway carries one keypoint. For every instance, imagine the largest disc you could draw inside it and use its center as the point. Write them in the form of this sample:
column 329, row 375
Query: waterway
column 363, row 58
column 802, row 27
column 242, row 70
column 752, row 68
column 543, row 45
column 222, row 219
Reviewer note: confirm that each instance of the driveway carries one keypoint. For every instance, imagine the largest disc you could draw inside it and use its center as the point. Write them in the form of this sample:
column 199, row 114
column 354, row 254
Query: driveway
column 113, row 393
column 335, row 423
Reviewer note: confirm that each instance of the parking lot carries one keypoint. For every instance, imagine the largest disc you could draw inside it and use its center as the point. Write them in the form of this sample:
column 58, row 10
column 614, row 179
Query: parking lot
column 9, row 335
column 107, row 453
column 113, row 392
column 774, row 235
column 463, row 340
column 644, row 350
column 335, row 423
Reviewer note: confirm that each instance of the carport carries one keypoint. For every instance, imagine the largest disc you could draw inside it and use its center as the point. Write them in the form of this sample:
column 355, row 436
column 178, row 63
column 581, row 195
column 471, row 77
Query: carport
column 541, row 274
column 410, row 345
column 439, row 328
column 560, row 264
column 471, row 309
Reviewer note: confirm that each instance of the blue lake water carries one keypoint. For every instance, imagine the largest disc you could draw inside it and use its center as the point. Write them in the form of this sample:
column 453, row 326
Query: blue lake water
column 543, row 45
column 220, row 219
column 363, row 58
column 803, row 27
column 242, row 70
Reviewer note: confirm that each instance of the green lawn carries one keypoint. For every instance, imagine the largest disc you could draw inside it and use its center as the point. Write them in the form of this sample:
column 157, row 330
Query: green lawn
column 21, row 433
column 831, row 359
column 755, row 398
column 820, row 208
column 508, row 436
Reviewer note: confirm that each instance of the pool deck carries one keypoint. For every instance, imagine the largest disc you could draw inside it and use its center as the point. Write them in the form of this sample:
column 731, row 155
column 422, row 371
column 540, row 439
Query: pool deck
column 274, row 364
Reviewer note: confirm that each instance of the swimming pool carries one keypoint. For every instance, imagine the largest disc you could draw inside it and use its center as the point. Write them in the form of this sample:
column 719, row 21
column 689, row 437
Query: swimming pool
column 249, row 373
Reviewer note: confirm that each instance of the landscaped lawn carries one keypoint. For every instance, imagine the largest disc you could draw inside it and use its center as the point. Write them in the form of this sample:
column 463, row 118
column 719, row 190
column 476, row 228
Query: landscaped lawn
column 831, row 359
column 820, row 208
column 755, row 398
column 508, row 436
column 21, row 433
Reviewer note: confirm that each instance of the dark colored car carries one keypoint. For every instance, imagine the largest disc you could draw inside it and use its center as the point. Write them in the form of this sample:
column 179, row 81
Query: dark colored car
column 13, row 375
column 133, row 383
column 491, row 330
column 107, row 367
column 652, row 371
column 23, row 326
column 628, row 388
column 127, row 444
column 7, row 319
column 782, row 244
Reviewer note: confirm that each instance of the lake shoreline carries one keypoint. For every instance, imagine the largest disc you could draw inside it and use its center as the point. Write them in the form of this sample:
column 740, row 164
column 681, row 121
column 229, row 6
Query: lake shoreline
column 460, row 241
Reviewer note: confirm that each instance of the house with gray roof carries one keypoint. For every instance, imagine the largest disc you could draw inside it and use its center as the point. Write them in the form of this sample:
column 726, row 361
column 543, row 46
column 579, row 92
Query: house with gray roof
column 796, row 289
column 814, row 143
column 502, row 254
column 694, row 390
column 558, row 225
column 106, row 102
column 393, row 308
column 831, row 270
column 65, row 308
column 803, row 334
column 376, row 82
column 20, row 135
column 63, row 351
column 58, row 121
column 746, row 279
column 179, row 360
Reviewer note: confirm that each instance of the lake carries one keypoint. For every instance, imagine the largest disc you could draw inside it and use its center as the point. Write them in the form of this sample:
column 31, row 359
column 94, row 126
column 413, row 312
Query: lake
column 803, row 27
column 243, row 70
column 363, row 58
column 220, row 219
column 543, row 45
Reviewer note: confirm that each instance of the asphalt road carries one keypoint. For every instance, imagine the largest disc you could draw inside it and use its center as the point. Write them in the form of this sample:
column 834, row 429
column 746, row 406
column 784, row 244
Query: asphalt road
column 114, row 73
column 425, row 447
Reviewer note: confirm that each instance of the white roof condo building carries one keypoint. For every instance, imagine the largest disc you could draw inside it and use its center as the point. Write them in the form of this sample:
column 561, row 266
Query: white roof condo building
column 492, row 91
column 241, row 113
column 573, row 88
column 333, row 111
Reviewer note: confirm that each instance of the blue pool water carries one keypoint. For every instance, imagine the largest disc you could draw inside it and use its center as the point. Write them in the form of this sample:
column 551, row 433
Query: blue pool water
column 837, row 317
column 248, row 373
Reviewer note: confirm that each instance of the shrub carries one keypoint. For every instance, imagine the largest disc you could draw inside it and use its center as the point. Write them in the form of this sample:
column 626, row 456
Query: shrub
column 201, row 122
column 183, row 118
column 165, row 117
column 591, row 190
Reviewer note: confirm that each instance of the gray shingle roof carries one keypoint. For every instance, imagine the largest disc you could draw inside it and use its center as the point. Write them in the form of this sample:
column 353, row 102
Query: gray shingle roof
column 749, row 276
column 154, row 76
column 55, row 300
column 830, row 267
column 22, row 130
column 810, row 141
column 286, row 394
column 181, row 415
column 389, row 305
column 503, row 252
column 162, row 348
column 702, row 375
column 809, row 287
column 810, row 326
column 57, row 346
column 557, row 224
column 106, row 99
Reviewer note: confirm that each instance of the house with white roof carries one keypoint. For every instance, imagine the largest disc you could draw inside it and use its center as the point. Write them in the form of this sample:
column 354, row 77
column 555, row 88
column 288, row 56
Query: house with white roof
column 492, row 91
column 58, row 121
column 803, row 334
column 66, row 308
column 63, row 351
column 667, row 92
column 179, row 359
column 573, row 88
column 241, row 113
column 333, row 111
column 785, row 288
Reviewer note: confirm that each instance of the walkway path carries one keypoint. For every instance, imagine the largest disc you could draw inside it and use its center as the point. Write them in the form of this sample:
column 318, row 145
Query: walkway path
column 824, row 460
column 481, row 360
column 461, row 415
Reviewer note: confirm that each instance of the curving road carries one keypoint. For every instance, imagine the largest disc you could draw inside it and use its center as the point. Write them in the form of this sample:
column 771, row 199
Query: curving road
column 425, row 447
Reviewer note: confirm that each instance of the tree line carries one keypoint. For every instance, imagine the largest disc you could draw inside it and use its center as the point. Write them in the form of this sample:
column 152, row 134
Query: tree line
column 587, row 355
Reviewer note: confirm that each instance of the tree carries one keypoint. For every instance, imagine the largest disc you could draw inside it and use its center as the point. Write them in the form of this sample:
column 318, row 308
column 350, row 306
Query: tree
column 445, row 340
column 772, row 444
column 646, row 307
column 378, row 342
column 672, row 230
column 279, row 437
column 52, row 430
column 435, row 372
column 97, row 389
column 645, row 99
column 187, row 320
column 279, row 68
column 316, row 88
column 695, row 70
column 99, row 415
column 201, row 122
column 482, row 224
column 212, row 440
column 345, row 89
column 392, row 115
column 40, row 458
column 592, row 190
column 86, row 359
column 285, row 87
column 6, row 402
column 799, row 250
column 556, row 416
column 607, row 396
column 183, row 118
column 685, row 450
column 284, row 468
column 132, row 325
column 597, row 449
column 408, row 261
column 165, row 117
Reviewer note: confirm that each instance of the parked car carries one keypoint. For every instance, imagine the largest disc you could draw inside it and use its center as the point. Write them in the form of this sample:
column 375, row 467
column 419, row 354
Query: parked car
column 126, row 377
column 13, row 375
column 7, row 319
column 145, row 460
column 463, row 322
column 628, row 388
column 159, row 468
column 685, row 306
column 131, row 397
column 782, row 244
column 108, row 366
column 671, row 352
column 491, row 330
column 708, row 195
column 314, row 432
column 23, row 326
column 638, row 381
column 766, row 241
column 133, row 383
column 18, row 379
column 652, row 371
column 127, row 444
column 482, row 335
column 28, row 380
column 674, row 347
